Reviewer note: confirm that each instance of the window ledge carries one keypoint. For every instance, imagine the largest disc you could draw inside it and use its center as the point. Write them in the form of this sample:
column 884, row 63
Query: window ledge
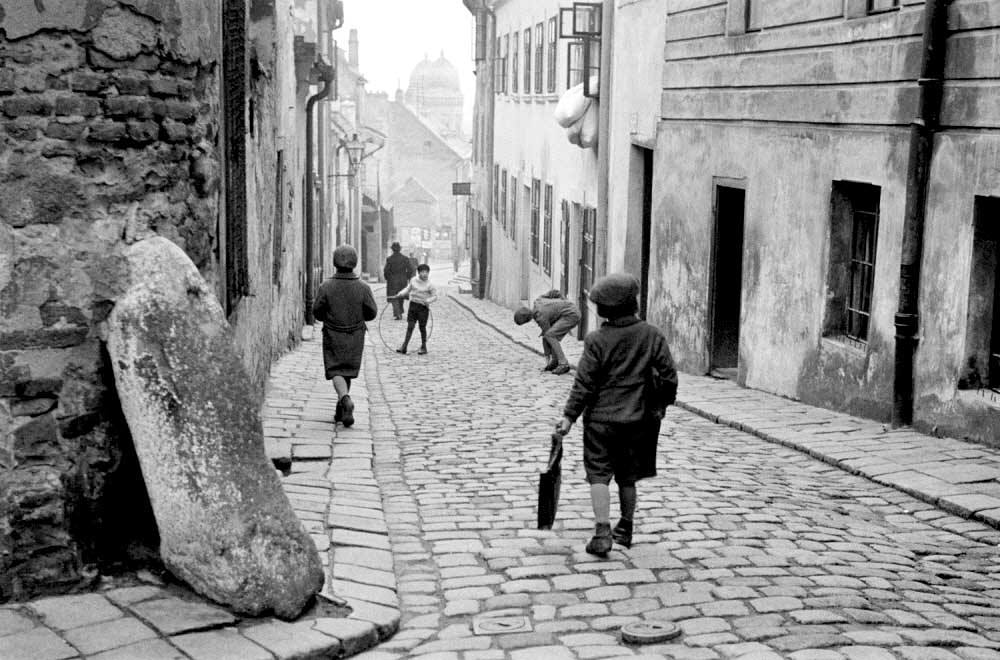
column 844, row 343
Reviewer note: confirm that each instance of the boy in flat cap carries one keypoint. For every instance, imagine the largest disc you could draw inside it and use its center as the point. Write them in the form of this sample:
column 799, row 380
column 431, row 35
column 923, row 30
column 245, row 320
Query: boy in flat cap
column 343, row 304
column 624, row 382
column 556, row 316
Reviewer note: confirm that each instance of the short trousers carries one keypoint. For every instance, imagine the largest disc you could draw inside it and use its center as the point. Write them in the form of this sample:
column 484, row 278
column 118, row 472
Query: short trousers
column 418, row 313
column 624, row 451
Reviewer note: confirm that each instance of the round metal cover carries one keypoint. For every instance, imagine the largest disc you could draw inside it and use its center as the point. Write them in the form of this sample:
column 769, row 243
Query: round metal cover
column 649, row 632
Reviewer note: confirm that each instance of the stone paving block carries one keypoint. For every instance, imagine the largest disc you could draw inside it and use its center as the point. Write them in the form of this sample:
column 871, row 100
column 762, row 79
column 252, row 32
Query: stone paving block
column 368, row 557
column 357, row 523
column 355, row 636
column 385, row 619
column 152, row 649
column 966, row 505
column 35, row 644
column 12, row 622
column 172, row 615
column 107, row 635
column 366, row 592
column 292, row 639
column 346, row 537
column 364, row 575
column 65, row 612
column 128, row 595
column 223, row 644
column 865, row 653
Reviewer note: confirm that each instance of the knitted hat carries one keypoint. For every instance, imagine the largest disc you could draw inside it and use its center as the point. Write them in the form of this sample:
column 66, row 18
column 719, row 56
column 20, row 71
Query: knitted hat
column 345, row 257
column 615, row 290
column 522, row 315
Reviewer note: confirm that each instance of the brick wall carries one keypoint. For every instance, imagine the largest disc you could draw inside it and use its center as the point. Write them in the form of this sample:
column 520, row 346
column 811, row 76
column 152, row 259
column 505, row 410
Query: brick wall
column 108, row 122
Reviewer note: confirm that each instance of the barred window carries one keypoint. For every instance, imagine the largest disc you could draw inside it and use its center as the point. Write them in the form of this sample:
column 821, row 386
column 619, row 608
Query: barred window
column 851, row 273
column 527, row 61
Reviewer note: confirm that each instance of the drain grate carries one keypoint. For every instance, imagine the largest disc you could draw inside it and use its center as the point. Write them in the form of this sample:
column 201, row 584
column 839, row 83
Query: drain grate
column 499, row 625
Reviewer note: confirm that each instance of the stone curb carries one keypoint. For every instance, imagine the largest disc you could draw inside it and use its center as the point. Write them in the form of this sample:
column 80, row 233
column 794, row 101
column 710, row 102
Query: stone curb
column 859, row 446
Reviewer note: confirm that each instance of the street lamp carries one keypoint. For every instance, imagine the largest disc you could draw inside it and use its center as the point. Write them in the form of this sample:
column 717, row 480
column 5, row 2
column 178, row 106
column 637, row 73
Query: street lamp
column 355, row 152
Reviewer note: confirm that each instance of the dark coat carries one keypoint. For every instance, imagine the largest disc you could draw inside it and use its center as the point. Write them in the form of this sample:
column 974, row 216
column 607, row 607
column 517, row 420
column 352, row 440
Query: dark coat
column 625, row 374
column 343, row 304
column 398, row 271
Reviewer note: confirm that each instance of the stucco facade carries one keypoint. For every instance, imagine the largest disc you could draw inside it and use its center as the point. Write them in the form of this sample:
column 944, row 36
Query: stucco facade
column 789, row 114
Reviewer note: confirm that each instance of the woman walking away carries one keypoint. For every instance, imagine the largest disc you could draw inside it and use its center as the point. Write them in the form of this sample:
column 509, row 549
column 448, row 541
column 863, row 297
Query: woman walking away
column 624, row 382
column 343, row 305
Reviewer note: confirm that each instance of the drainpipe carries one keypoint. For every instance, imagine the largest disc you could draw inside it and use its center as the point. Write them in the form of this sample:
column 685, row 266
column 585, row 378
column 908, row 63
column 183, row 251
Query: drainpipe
column 922, row 129
column 327, row 77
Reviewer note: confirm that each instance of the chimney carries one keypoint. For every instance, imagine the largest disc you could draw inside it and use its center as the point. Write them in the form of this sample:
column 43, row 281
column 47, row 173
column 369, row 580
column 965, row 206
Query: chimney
column 352, row 49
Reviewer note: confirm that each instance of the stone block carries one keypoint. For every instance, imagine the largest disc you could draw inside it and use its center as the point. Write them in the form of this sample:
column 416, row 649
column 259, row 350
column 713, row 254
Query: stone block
column 36, row 644
column 68, row 132
column 107, row 131
column 293, row 640
column 174, row 131
column 143, row 131
column 180, row 110
column 226, row 527
column 123, row 34
column 131, row 84
column 128, row 106
column 164, row 87
column 68, row 612
column 32, row 407
column 18, row 106
column 172, row 616
column 85, row 81
column 107, row 635
column 77, row 105
column 220, row 645
column 7, row 81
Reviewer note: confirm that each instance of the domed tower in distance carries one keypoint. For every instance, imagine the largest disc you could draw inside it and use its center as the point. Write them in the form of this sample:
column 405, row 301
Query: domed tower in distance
column 435, row 94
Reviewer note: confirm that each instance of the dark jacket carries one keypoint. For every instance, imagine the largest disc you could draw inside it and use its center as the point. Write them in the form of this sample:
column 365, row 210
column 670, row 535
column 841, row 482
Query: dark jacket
column 343, row 304
column 398, row 271
column 625, row 374
column 552, row 306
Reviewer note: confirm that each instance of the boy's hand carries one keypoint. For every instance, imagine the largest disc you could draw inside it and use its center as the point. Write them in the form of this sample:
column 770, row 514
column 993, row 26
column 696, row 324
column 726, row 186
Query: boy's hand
column 564, row 425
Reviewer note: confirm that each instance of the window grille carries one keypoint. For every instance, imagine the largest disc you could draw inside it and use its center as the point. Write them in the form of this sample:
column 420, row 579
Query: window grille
column 536, row 193
column 587, row 253
column 864, row 233
column 547, row 232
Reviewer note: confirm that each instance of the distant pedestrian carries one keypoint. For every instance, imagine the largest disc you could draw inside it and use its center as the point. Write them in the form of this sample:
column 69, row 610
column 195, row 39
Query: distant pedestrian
column 556, row 316
column 624, row 382
column 414, row 262
column 398, row 271
column 421, row 293
column 343, row 305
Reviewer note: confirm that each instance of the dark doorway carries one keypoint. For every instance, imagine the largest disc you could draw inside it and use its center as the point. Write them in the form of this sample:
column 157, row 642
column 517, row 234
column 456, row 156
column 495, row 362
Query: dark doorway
column 727, row 281
column 647, row 225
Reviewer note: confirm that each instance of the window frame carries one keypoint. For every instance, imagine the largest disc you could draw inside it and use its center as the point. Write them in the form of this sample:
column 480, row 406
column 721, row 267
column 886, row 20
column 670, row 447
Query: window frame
column 540, row 58
column 547, row 230
column 553, row 54
column 574, row 54
column 527, row 61
column 536, row 201
column 503, row 199
column 513, row 207
column 515, row 63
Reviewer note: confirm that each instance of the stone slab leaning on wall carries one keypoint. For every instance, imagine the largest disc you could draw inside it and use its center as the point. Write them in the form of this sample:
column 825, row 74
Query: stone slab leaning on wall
column 226, row 527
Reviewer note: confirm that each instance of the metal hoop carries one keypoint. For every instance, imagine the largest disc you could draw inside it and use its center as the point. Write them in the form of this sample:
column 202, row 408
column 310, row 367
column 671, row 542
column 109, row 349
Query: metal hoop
column 430, row 324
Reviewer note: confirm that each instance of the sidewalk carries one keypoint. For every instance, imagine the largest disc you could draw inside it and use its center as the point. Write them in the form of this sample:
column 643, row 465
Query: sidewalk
column 328, row 477
column 959, row 477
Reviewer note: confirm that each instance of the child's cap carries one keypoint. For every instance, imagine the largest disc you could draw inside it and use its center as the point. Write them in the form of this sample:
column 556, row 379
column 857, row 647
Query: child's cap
column 615, row 290
column 522, row 315
column 345, row 256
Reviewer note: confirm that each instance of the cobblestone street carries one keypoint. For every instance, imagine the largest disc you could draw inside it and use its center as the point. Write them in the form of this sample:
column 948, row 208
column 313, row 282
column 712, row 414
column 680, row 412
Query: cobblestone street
column 756, row 550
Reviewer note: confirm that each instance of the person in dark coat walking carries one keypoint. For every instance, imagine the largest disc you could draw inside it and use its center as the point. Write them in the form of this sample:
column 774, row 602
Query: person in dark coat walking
column 343, row 304
column 398, row 271
column 624, row 382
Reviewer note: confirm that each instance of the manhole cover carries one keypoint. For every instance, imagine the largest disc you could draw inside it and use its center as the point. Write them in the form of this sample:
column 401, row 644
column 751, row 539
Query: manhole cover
column 498, row 625
column 649, row 632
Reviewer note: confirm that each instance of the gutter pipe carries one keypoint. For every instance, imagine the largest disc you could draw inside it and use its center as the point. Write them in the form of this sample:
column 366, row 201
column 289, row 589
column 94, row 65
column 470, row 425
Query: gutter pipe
column 922, row 129
column 327, row 76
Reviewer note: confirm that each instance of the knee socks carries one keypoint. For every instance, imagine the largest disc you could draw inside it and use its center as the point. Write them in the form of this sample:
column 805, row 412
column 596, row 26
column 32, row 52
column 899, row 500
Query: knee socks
column 626, row 500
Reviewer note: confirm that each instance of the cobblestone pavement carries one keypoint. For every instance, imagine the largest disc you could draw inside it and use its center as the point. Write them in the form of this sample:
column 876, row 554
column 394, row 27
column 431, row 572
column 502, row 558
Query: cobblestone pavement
column 754, row 549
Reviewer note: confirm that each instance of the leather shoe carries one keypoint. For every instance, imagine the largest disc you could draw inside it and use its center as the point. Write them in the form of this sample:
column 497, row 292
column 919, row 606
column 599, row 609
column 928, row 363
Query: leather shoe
column 347, row 408
column 551, row 365
column 600, row 544
column 561, row 369
column 622, row 533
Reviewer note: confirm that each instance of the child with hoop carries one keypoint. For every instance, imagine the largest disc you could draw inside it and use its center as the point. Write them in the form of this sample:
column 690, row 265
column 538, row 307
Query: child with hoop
column 421, row 293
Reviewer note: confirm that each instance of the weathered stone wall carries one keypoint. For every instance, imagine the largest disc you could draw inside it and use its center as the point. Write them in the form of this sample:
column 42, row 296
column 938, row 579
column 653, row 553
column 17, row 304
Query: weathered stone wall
column 108, row 133
column 817, row 97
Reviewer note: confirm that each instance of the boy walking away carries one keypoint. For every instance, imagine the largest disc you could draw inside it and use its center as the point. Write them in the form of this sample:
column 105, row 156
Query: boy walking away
column 556, row 316
column 624, row 382
column 398, row 271
column 343, row 304
column 421, row 294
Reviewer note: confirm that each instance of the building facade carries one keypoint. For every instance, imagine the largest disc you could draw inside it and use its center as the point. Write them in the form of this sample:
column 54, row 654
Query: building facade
column 119, row 123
